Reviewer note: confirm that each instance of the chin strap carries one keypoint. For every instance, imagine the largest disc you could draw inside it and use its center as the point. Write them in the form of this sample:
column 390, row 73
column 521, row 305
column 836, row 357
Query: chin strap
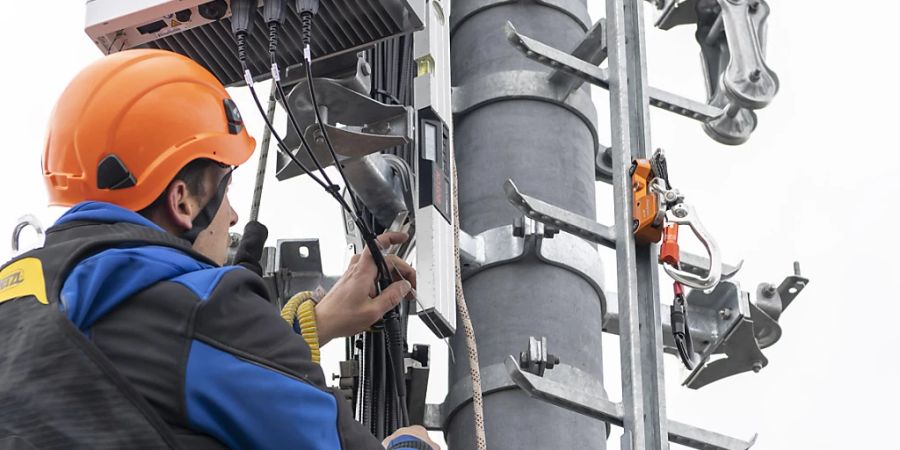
column 208, row 213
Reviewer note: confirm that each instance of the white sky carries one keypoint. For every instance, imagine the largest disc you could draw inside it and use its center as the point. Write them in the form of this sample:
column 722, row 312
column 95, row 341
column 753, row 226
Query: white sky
column 816, row 183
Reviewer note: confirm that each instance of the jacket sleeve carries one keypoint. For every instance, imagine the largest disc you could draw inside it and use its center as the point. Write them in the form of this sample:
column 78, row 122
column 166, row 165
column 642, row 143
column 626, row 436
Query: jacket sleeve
column 249, row 380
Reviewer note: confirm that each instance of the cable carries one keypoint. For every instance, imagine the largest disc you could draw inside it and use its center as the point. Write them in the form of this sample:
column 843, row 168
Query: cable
column 273, row 15
column 241, row 10
column 306, row 19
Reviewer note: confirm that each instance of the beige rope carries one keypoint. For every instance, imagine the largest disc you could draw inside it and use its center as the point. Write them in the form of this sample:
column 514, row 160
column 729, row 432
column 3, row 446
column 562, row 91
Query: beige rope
column 471, row 347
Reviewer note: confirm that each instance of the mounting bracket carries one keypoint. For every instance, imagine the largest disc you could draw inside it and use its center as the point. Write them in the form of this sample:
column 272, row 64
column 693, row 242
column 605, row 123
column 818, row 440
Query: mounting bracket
column 571, row 396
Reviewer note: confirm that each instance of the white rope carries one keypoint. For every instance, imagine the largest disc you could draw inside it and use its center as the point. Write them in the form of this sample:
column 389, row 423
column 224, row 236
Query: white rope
column 471, row 345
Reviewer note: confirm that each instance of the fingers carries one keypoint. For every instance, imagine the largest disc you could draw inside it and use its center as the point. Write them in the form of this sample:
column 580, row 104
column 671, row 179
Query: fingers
column 384, row 241
column 389, row 238
column 391, row 296
column 405, row 271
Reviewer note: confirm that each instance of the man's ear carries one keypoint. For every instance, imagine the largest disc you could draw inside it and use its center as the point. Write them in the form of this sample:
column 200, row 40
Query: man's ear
column 180, row 206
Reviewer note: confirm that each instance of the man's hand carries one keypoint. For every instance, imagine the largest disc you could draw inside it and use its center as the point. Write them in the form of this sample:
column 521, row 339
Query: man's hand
column 351, row 305
column 250, row 250
column 415, row 430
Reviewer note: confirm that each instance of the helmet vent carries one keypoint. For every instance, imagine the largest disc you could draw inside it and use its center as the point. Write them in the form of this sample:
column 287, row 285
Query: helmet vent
column 235, row 122
column 112, row 174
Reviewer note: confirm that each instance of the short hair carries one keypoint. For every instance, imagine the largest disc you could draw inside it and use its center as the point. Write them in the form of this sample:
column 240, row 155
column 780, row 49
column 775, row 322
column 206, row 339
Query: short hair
column 194, row 175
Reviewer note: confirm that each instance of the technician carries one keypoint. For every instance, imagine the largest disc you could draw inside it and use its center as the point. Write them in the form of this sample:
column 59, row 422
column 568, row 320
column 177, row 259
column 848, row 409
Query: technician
column 125, row 330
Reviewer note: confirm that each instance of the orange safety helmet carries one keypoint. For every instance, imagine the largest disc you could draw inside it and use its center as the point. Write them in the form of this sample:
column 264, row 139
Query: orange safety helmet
column 130, row 121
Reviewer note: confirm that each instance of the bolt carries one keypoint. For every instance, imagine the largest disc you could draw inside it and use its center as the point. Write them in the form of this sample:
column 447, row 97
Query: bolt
column 552, row 360
column 725, row 313
column 769, row 291
column 754, row 5
column 680, row 212
column 757, row 366
column 519, row 227
column 755, row 75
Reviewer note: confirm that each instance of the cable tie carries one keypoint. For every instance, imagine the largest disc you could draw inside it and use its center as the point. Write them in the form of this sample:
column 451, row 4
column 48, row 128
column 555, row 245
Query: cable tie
column 307, row 54
column 248, row 78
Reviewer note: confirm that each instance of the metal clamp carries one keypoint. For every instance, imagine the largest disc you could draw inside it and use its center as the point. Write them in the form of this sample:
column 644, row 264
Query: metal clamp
column 495, row 378
column 712, row 314
column 725, row 321
column 580, row 398
column 523, row 84
column 536, row 359
column 462, row 11
column 511, row 243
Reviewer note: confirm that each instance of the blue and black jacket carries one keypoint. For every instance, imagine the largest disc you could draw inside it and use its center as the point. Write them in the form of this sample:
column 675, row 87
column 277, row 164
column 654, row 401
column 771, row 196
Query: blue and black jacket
column 117, row 334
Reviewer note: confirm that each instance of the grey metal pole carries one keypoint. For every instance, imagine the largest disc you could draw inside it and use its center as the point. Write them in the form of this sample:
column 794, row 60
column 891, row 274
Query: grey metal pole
column 643, row 383
column 545, row 144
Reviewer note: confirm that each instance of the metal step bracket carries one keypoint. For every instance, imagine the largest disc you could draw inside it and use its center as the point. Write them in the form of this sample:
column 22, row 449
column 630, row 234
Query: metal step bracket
column 573, row 397
column 592, row 231
column 558, row 59
column 720, row 319
column 723, row 118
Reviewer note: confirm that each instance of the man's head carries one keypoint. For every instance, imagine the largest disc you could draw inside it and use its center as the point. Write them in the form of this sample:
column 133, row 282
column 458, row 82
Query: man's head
column 150, row 131
column 178, row 209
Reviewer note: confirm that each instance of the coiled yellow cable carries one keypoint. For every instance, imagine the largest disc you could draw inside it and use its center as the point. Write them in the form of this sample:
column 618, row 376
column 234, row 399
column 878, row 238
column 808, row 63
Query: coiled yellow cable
column 301, row 308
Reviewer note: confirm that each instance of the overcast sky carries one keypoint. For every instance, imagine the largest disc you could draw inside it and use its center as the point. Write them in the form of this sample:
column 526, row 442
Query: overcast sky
column 816, row 183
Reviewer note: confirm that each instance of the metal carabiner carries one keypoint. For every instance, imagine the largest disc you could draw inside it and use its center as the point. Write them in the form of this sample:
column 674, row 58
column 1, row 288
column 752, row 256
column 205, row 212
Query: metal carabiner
column 683, row 214
column 25, row 221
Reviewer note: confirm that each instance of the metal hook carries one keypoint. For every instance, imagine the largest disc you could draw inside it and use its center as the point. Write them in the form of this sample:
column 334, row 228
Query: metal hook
column 25, row 221
column 683, row 214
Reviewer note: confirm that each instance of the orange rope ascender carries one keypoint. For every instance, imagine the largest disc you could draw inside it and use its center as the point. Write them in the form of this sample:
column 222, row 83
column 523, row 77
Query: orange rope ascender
column 653, row 200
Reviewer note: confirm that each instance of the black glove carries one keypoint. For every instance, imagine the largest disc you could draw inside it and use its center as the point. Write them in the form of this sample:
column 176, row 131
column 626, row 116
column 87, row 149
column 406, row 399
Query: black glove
column 250, row 250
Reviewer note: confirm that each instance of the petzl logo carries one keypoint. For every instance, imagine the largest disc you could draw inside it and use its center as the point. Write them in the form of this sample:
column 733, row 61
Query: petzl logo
column 11, row 280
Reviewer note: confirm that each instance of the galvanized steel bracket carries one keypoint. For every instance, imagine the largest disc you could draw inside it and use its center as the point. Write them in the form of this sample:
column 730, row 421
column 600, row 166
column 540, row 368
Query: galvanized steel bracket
column 577, row 397
column 495, row 378
column 522, row 85
column 576, row 9
column 723, row 120
column 511, row 243
column 357, row 125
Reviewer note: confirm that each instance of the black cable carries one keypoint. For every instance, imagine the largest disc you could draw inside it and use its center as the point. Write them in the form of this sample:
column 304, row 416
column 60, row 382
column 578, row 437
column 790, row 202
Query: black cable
column 681, row 332
column 391, row 344
column 281, row 145
column 273, row 15
column 297, row 129
column 306, row 21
